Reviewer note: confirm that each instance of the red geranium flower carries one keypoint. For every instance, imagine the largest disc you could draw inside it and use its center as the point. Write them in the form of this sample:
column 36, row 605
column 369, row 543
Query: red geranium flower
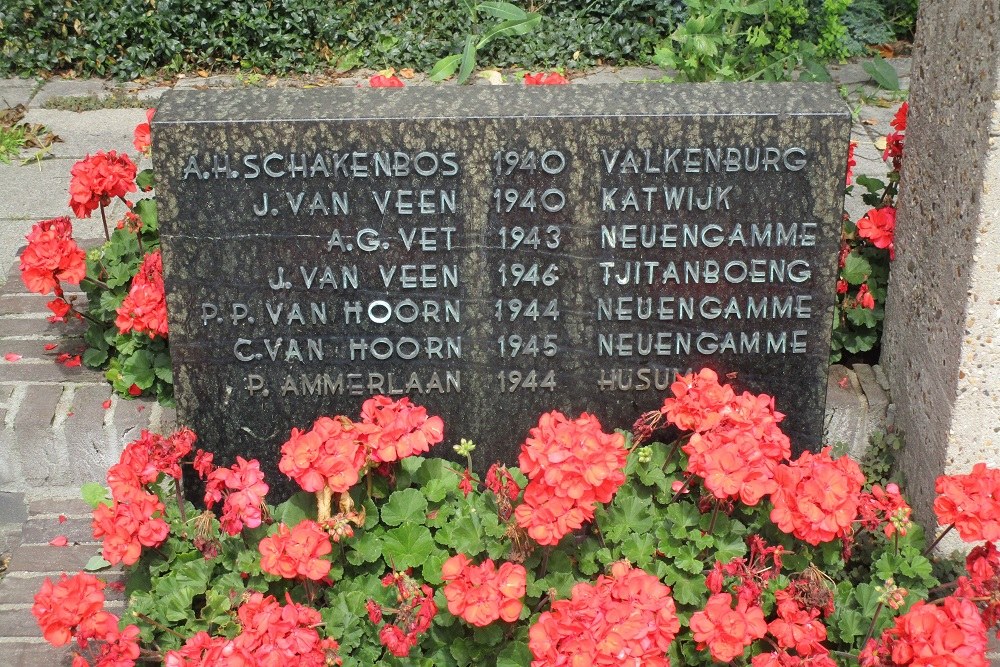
column 62, row 606
column 951, row 634
column 971, row 502
column 141, row 139
column 52, row 256
column 899, row 120
column 879, row 226
column 97, row 179
column 817, row 497
column 545, row 79
column 571, row 466
column 297, row 552
column 725, row 630
column 628, row 618
column 851, row 161
column 482, row 594
column 144, row 310
column 382, row 81
column 331, row 454
column 402, row 429
column 243, row 488
column 698, row 401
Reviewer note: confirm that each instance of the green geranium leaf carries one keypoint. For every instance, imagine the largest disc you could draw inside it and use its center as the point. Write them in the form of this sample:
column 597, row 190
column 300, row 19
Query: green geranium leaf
column 95, row 494
column 514, row 654
column 300, row 506
column 856, row 269
column 406, row 506
column 407, row 546
column 95, row 358
column 365, row 549
column 96, row 563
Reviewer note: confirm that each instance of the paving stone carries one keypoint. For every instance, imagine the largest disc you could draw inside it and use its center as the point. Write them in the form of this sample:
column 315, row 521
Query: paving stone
column 27, row 326
column 84, row 133
column 35, row 191
column 640, row 73
column 18, row 622
column 13, row 508
column 42, row 530
column 598, row 77
column 68, row 88
column 130, row 417
column 848, row 73
column 71, row 507
column 16, row 91
column 45, row 558
column 34, row 654
column 88, row 410
column 46, row 370
column 152, row 94
column 34, row 349
column 37, row 408
column 35, row 303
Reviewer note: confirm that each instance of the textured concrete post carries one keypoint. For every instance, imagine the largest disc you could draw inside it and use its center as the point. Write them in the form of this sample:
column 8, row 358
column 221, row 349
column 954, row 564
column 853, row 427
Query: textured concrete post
column 940, row 350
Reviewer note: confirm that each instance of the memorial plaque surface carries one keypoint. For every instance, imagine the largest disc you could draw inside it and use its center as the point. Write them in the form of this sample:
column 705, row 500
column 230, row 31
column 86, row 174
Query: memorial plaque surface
column 494, row 253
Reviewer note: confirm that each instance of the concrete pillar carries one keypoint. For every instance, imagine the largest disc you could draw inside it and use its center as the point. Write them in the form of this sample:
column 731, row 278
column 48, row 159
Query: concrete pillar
column 941, row 350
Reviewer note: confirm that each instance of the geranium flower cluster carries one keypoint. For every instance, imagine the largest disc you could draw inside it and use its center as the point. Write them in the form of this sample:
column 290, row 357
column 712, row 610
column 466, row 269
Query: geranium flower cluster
column 983, row 582
column 894, row 142
column 737, row 443
column 752, row 574
column 402, row 429
column 950, row 634
column 272, row 635
column 97, row 179
column 297, row 552
column 52, row 257
column 73, row 608
column 885, row 509
column 241, row 487
column 726, row 630
column 971, row 502
column 817, row 497
column 144, row 309
column 878, row 225
column 413, row 615
column 797, row 628
column 134, row 518
column 330, row 455
column 480, row 594
column 141, row 138
column 571, row 466
column 627, row 618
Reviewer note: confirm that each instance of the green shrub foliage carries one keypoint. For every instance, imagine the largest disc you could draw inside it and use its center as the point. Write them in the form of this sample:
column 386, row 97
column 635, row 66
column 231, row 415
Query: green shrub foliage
column 125, row 39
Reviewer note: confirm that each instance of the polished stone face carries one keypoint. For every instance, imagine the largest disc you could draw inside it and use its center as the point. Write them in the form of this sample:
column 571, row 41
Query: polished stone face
column 494, row 253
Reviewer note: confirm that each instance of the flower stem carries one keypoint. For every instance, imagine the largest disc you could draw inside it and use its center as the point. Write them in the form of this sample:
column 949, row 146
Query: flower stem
column 715, row 515
column 97, row 282
column 871, row 627
column 104, row 219
column 938, row 539
column 157, row 624
column 179, row 494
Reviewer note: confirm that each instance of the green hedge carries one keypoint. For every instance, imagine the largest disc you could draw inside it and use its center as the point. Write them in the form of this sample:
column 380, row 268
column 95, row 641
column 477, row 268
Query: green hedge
column 129, row 38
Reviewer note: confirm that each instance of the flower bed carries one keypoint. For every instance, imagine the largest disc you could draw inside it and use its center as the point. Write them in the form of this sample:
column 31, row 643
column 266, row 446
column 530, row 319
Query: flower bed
column 599, row 549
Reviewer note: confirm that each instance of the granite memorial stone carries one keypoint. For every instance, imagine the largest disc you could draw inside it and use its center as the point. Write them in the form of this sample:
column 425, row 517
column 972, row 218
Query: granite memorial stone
column 495, row 252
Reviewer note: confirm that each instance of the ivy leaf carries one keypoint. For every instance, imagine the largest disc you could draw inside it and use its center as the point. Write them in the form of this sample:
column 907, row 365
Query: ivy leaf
column 407, row 546
column 407, row 506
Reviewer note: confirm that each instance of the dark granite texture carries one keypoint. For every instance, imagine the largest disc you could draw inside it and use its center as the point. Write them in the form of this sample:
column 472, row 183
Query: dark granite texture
column 218, row 251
